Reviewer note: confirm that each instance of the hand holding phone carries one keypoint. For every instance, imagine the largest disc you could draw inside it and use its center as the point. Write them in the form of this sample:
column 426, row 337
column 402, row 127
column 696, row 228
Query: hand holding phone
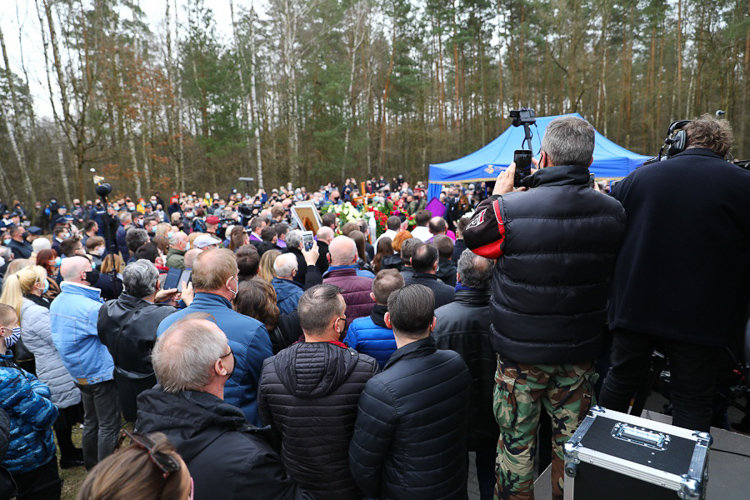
column 307, row 239
column 522, row 159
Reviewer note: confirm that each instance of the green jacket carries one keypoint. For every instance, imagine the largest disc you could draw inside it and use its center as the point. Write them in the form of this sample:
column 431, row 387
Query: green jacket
column 176, row 259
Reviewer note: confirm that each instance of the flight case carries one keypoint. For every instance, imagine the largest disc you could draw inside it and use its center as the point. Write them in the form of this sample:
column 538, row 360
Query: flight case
column 616, row 456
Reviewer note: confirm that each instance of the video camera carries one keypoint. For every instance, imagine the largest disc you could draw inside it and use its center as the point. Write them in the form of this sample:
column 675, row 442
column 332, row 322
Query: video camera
column 523, row 117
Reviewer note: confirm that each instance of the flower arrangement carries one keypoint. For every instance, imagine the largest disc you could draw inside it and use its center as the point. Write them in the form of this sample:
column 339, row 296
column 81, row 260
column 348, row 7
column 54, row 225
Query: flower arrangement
column 349, row 213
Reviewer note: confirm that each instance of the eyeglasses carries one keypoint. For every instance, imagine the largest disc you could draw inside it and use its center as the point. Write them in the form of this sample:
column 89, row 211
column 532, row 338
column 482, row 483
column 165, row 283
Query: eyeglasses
column 227, row 354
column 165, row 462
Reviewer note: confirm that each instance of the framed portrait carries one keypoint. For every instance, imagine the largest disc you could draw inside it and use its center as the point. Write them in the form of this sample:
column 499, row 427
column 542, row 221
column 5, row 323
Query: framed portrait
column 307, row 216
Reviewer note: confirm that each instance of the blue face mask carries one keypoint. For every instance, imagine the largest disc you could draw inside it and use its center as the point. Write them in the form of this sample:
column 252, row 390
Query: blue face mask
column 58, row 261
column 6, row 241
column 46, row 287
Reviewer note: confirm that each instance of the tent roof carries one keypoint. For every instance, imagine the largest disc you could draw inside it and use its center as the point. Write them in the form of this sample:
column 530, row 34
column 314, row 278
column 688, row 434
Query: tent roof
column 610, row 160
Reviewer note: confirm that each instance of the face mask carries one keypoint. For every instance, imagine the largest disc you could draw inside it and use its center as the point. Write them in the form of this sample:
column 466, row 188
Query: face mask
column 187, row 247
column 92, row 277
column 6, row 241
column 58, row 261
column 189, row 215
column 222, row 206
column 99, row 251
column 46, row 287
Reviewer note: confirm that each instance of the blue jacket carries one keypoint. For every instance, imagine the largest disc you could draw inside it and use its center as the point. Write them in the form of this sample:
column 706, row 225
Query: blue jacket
column 27, row 402
column 288, row 293
column 73, row 317
column 370, row 336
column 249, row 341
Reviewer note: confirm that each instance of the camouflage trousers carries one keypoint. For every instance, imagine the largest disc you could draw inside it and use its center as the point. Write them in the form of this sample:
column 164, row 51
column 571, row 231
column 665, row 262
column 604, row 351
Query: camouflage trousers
column 566, row 391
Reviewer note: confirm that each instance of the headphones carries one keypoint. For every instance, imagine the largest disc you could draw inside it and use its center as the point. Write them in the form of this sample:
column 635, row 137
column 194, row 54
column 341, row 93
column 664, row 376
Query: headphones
column 676, row 141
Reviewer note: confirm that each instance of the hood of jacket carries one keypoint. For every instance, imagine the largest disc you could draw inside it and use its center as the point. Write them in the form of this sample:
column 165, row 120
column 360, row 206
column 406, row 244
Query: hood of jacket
column 191, row 420
column 315, row 369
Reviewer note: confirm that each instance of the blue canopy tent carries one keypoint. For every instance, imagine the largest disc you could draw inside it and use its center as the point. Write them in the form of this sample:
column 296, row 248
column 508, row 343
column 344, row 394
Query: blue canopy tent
column 610, row 160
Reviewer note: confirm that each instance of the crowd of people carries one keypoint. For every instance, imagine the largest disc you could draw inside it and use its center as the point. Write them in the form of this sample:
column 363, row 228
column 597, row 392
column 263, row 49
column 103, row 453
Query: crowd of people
column 357, row 365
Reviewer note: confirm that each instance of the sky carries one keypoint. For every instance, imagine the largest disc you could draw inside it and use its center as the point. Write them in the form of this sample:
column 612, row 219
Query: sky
column 22, row 13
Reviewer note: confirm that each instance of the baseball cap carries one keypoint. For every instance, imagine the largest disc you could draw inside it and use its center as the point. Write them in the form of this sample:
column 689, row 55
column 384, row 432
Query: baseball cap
column 205, row 240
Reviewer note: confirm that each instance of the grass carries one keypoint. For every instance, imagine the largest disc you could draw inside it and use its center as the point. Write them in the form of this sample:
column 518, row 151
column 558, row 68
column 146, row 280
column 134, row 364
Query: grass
column 72, row 478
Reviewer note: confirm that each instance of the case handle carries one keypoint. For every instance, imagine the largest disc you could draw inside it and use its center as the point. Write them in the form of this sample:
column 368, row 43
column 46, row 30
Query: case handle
column 641, row 436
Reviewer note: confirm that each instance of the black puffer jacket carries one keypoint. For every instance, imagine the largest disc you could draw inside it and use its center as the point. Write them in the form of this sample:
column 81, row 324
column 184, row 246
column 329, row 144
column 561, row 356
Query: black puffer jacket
column 410, row 437
column 309, row 394
column 127, row 326
column 227, row 457
column 464, row 326
column 558, row 243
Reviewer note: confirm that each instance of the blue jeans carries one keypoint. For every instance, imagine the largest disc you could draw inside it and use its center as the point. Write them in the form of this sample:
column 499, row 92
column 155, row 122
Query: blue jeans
column 101, row 421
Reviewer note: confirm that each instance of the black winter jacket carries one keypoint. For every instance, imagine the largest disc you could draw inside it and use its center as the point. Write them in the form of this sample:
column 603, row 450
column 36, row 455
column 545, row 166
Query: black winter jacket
column 410, row 438
column 127, row 326
column 227, row 457
column 684, row 269
column 557, row 244
column 443, row 293
column 308, row 395
column 464, row 326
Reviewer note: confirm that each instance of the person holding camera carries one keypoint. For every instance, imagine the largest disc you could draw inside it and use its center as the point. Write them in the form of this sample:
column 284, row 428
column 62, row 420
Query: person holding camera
column 555, row 243
column 682, row 279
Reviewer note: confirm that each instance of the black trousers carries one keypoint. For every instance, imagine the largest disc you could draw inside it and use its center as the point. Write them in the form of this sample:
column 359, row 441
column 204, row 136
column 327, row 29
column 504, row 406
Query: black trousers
column 692, row 368
column 42, row 483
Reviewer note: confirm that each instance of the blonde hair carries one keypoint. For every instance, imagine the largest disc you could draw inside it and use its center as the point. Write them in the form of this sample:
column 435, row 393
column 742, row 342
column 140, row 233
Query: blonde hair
column 20, row 283
column 163, row 228
column 16, row 265
column 192, row 237
column 108, row 265
column 265, row 268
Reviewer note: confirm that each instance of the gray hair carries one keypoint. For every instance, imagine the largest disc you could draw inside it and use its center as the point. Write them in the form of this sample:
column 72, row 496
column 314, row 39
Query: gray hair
column 135, row 238
column 569, row 141
column 317, row 307
column 40, row 244
column 285, row 264
column 139, row 278
column 5, row 252
column 475, row 270
column 125, row 217
column 184, row 355
column 294, row 238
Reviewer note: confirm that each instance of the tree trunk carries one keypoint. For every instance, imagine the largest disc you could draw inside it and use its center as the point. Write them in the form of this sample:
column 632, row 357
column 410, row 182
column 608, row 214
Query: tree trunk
column 16, row 127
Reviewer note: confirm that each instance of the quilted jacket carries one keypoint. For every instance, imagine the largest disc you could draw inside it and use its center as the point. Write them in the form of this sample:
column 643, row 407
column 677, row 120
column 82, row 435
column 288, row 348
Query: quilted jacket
column 26, row 400
column 370, row 336
column 308, row 395
column 37, row 337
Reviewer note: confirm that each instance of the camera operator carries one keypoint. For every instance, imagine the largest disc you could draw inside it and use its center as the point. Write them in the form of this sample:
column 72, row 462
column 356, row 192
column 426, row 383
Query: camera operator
column 682, row 279
column 555, row 246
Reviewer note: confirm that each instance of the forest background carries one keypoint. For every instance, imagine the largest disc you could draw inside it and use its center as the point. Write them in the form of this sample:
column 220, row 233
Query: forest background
column 314, row 91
